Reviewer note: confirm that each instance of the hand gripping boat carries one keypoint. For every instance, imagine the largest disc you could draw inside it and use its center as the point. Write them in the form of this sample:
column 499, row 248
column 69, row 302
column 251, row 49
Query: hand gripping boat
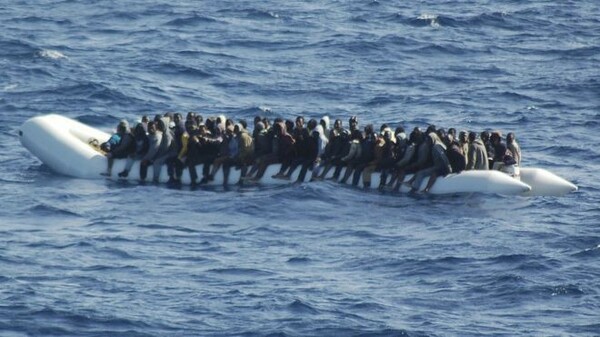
column 63, row 144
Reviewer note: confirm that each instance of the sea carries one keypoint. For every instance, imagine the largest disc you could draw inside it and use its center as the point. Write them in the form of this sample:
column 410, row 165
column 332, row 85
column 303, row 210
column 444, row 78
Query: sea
column 108, row 258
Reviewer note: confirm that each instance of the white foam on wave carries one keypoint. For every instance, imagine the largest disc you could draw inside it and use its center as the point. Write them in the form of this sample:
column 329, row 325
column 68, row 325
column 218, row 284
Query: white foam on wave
column 432, row 18
column 9, row 87
column 51, row 54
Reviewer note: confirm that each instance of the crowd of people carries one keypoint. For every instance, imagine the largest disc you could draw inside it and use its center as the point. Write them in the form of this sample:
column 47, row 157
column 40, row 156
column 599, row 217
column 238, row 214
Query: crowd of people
column 313, row 146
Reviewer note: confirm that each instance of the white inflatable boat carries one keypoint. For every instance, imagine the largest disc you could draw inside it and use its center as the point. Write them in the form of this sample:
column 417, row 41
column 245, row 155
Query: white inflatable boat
column 63, row 144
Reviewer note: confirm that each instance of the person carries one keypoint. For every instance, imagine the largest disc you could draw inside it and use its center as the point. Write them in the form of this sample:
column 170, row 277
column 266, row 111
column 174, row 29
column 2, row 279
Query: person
column 119, row 146
column 154, row 140
column 503, row 158
column 391, row 152
column 440, row 165
column 477, row 158
column 322, row 145
column 381, row 143
column 407, row 157
column 514, row 147
column 500, row 151
column 324, row 122
column 144, row 122
column 206, row 151
column 454, row 154
column 183, row 158
column 283, row 147
column 421, row 159
column 367, row 155
column 227, row 151
column 337, row 147
column 463, row 144
column 352, row 156
column 244, row 154
column 166, row 153
column 141, row 147
column 353, row 123
column 265, row 146
column 301, row 152
column 312, row 154
column 489, row 148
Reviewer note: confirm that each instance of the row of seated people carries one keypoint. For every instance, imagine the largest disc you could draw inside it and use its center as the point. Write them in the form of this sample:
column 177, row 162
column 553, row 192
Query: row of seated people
column 221, row 143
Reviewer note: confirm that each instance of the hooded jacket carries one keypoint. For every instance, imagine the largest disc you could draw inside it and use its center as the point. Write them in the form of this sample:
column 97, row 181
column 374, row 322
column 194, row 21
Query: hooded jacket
column 477, row 158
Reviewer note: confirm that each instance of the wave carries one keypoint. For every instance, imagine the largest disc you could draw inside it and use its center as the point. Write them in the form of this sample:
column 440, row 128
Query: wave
column 193, row 20
column 241, row 272
column 299, row 307
column 172, row 68
column 16, row 48
column 51, row 54
column 251, row 13
column 47, row 210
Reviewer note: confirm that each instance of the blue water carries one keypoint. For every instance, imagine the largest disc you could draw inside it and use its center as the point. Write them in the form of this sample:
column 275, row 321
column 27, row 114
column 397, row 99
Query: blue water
column 101, row 258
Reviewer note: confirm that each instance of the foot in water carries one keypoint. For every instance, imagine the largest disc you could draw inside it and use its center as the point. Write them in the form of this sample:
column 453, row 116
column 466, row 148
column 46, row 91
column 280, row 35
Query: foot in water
column 105, row 174
column 123, row 174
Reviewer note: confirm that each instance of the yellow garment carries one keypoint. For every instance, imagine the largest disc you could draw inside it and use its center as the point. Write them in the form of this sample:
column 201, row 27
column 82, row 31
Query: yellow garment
column 185, row 138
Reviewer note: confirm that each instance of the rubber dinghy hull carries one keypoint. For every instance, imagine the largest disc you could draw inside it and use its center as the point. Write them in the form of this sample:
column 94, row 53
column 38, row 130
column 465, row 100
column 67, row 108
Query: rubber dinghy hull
column 63, row 145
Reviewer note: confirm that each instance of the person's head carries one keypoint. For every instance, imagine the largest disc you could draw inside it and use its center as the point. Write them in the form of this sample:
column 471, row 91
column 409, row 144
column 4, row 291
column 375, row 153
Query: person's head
column 279, row 129
column 257, row 119
column 369, row 130
column 229, row 122
column 312, row 124
column 441, row 132
column 191, row 116
column 338, row 124
column 266, row 122
column 157, row 118
column 177, row 118
column 510, row 137
column 472, row 136
column 289, row 125
column 139, row 131
column 190, row 126
column 210, row 124
column 160, row 125
column 243, row 123
column 353, row 122
column 431, row 128
column 416, row 136
column 485, row 136
column 383, row 127
column 462, row 136
column 123, row 127
column 452, row 131
column 237, row 129
column 387, row 135
column 169, row 115
column 448, row 139
column 145, row 119
column 259, row 126
column 229, row 130
column 299, row 122
column 495, row 137
column 152, row 127
column 399, row 130
column 324, row 122
column 202, row 129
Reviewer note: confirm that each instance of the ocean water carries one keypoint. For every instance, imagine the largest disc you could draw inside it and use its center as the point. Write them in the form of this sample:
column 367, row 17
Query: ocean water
column 102, row 258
